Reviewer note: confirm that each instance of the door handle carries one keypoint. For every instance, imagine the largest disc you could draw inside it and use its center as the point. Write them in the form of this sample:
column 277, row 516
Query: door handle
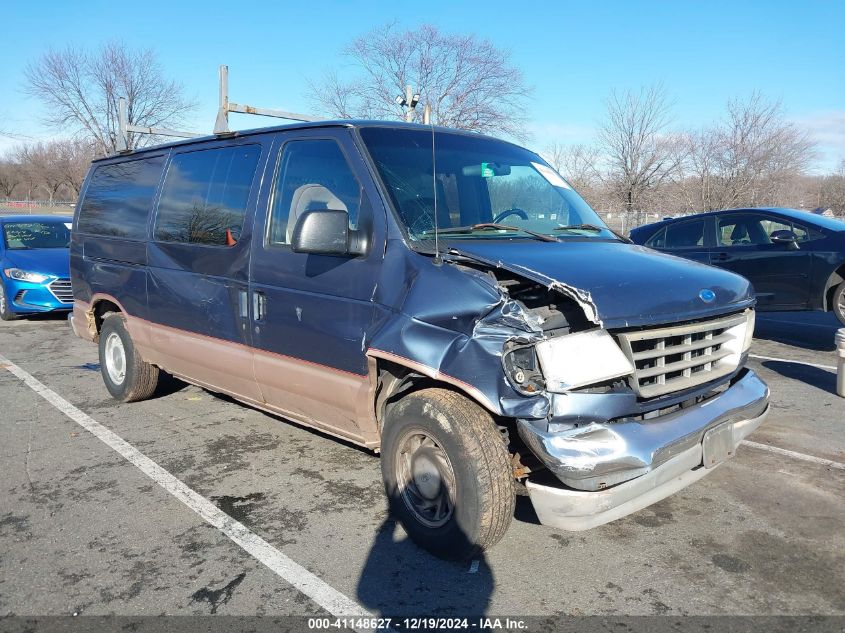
column 259, row 305
column 721, row 257
column 243, row 304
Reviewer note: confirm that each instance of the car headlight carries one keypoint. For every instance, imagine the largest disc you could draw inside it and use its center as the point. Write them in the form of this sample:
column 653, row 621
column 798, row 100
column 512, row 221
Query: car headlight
column 580, row 359
column 23, row 275
column 749, row 330
column 565, row 362
column 522, row 368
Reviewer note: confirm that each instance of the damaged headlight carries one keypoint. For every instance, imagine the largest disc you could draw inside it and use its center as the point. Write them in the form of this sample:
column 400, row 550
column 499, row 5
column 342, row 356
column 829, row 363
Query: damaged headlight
column 580, row 359
column 522, row 368
column 565, row 362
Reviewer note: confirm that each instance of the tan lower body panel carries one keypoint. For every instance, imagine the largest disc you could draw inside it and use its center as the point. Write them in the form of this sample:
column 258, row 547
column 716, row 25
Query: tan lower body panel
column 336, row 402
column 209, row 361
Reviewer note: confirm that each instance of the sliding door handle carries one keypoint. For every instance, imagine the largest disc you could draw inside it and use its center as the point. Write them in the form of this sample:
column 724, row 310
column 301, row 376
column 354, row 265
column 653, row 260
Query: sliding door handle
column 259, row 305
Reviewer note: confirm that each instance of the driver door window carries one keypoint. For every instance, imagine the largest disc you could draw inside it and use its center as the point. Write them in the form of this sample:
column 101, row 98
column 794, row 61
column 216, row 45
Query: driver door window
column 312, row 175
column 756, row 230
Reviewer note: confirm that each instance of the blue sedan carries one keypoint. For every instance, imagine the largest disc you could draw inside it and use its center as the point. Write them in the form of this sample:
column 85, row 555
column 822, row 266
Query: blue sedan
column 794, row 259
column 34, row 260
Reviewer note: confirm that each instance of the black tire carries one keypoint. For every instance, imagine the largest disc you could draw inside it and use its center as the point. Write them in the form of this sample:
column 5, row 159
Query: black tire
column 480, row 488
column 6, row 313
column 139, row 379
column 838, row 303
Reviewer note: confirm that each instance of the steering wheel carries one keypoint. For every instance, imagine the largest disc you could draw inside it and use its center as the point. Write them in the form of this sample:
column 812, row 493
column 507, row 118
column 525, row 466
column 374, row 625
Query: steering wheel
column 514, row 211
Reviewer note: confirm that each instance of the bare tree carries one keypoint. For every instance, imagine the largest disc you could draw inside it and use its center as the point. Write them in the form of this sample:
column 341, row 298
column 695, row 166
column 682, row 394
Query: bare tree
column 577, row 163
column 72, row 158
column 831, row 190
column 640, row 153
column 80, row 91
column 10, row 177
column 468, row 82
column 41, row 160
column 751, row 158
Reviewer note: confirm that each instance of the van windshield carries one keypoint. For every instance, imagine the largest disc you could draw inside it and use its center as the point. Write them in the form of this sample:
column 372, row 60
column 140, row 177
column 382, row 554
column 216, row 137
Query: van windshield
column 484, row 189
column 26, row 235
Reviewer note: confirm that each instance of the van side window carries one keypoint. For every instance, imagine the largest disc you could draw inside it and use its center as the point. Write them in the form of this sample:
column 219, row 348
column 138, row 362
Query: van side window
column 205, row 193
column 119, row 198
column 313, row 175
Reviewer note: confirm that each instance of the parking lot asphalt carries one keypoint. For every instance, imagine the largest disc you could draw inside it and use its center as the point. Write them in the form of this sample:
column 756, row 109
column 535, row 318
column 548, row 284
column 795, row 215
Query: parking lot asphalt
column 85, row 531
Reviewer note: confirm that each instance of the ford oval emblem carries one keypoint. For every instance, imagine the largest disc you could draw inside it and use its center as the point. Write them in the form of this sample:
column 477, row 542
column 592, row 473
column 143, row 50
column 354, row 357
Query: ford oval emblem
column 707, row 295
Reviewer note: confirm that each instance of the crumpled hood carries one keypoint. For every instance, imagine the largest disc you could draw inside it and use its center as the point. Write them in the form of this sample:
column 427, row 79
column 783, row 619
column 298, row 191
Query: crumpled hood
column 624, row 285
column 48, row 261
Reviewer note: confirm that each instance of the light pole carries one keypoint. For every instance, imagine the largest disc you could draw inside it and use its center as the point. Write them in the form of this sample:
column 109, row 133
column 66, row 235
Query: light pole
column 409, row 101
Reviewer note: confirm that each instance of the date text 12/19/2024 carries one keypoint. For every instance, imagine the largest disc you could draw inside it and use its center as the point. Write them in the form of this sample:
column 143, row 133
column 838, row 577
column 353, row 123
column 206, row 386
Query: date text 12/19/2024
column 417, row 624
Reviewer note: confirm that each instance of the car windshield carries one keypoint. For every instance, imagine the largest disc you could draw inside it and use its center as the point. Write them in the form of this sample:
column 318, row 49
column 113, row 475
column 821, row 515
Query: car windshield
column 484, row 189
column 27, row 235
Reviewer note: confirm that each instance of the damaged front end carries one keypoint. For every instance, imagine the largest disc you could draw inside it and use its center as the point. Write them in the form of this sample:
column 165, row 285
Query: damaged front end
column 618, row 418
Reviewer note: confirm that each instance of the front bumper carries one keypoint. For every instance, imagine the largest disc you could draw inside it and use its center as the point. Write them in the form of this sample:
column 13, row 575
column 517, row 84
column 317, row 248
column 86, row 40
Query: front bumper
column 27, row 298
column 612, row 469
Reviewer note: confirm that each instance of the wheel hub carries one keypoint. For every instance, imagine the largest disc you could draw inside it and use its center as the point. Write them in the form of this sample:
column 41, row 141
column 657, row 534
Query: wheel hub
column 115, row 358
column 426, row 479
column 426, row 476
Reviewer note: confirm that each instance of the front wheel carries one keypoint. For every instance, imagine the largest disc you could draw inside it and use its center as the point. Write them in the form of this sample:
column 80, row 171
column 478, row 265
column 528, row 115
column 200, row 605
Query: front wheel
column 447, row 473
column 839, row 302
column 127, row 377
column 6, row 313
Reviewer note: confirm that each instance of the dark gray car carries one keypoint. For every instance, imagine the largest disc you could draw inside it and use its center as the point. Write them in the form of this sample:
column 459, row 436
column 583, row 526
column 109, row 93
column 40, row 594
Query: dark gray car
column 794, row 259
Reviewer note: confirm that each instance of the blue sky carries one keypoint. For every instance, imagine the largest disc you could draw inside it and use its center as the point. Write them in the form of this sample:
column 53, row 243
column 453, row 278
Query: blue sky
column 572, row 53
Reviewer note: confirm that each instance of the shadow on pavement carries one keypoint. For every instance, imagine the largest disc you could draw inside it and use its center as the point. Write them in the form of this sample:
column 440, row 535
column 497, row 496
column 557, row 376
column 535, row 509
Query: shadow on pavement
column 810, row 330
column 400, row 579
column 813, row 376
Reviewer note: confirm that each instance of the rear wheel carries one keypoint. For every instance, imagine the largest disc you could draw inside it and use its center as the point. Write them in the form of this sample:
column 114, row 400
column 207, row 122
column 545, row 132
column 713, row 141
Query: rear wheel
column 447, row 473
column 127, row 377
column 6, row 313
column 839, row 302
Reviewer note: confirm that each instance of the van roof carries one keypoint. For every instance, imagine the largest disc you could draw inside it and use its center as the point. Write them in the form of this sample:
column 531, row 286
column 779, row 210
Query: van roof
column 347, row 123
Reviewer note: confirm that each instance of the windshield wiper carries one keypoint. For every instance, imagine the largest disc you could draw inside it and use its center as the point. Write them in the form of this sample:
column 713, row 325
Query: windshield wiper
column 579, row 227
column 593, row 228
column 492, row 226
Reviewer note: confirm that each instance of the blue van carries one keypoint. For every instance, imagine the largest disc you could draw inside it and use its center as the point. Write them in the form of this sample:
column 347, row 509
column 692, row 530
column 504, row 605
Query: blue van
column 443, row 298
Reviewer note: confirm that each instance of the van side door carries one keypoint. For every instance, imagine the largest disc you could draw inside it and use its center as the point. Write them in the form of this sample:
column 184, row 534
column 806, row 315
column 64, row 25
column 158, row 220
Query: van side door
column 198, row 264
column 311, row 313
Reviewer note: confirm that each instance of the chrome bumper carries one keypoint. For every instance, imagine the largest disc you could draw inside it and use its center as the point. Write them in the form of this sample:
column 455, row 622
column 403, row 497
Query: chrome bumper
column 613, row 469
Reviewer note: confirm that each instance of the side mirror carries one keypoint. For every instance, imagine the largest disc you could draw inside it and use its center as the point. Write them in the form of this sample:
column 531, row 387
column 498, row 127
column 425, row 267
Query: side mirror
column 326, row 232
column 784, row 237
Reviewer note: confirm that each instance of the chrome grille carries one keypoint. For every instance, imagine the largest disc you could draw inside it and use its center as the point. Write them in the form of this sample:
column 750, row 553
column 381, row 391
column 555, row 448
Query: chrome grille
column 678, row 357
column 61, row 290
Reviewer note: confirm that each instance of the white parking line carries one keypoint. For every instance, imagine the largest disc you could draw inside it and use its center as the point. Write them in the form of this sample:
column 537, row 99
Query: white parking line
column 796, row 362
column 307, row 583
column 795, row 455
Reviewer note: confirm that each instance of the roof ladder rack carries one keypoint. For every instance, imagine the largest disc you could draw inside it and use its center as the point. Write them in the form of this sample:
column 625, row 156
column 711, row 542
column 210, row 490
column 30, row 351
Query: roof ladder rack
column 124, row 127
column 221, row 125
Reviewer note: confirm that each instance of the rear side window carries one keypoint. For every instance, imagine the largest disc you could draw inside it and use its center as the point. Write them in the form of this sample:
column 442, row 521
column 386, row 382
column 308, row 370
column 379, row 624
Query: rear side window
column 658, row 240
column 205, row 193
column 685, row 234
column 119, row 198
